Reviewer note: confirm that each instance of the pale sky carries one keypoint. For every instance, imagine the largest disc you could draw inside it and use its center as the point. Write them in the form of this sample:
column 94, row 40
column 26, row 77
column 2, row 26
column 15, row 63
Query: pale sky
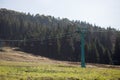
column 103, row 13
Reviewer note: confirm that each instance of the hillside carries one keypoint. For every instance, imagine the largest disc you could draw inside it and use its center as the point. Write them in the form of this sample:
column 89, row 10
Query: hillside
column 18, row 65
column 57, row 38
column 16, row 55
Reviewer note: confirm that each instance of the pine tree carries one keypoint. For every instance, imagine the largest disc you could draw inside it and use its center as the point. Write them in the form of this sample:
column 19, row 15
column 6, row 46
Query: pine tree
column 116, row 55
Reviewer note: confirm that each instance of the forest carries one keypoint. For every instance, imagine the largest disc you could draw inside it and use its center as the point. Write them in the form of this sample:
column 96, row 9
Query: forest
column 59, row 38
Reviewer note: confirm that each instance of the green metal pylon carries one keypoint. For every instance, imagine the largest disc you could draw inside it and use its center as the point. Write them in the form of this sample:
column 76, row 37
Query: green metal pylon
column 83, row 65
column 82, row 31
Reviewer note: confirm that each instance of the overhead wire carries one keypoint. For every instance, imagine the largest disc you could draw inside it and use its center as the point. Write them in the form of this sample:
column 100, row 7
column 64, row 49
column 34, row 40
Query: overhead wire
column 55, row 37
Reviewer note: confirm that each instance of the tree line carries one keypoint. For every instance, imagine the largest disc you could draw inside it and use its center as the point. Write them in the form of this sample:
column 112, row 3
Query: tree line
column 59, row 38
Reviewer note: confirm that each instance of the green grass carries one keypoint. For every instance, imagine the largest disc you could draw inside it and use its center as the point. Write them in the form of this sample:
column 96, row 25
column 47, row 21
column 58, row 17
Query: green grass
column 10, row 70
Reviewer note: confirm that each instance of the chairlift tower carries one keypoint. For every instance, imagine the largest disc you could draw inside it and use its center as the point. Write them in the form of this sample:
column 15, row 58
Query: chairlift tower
column 82, row 32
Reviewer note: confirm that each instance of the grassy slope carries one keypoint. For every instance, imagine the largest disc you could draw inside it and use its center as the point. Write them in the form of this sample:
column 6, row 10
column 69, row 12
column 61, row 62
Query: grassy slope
column 13, row 66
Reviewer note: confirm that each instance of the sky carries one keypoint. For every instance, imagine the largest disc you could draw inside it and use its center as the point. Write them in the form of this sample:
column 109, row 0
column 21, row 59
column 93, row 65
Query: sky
column 102, row 13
